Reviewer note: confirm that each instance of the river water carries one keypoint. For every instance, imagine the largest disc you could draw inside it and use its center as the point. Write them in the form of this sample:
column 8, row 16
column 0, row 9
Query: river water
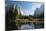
column 27, row 26
column 31, row 26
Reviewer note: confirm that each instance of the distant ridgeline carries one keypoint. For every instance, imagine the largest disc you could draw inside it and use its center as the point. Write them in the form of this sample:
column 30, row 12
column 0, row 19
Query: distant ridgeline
column 39, row 13
column 14, row 12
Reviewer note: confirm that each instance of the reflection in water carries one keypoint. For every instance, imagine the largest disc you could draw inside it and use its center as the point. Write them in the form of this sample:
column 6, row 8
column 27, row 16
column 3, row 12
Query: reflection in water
column 31, row 26
column 27, row 26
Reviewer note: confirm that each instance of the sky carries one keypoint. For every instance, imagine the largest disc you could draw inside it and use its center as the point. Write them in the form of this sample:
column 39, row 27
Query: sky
column 27, row 8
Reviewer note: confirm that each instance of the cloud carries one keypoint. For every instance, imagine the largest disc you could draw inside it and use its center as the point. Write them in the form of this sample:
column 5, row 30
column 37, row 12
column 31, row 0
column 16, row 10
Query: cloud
column 32, row 10
column 34, row 6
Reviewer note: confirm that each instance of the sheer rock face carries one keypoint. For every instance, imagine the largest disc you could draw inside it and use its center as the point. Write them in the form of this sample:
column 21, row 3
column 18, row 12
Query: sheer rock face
column 39, row 11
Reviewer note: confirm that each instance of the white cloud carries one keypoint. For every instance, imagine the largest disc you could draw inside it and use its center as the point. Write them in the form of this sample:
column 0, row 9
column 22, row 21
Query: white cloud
column 31, row 11
column 34, row 6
